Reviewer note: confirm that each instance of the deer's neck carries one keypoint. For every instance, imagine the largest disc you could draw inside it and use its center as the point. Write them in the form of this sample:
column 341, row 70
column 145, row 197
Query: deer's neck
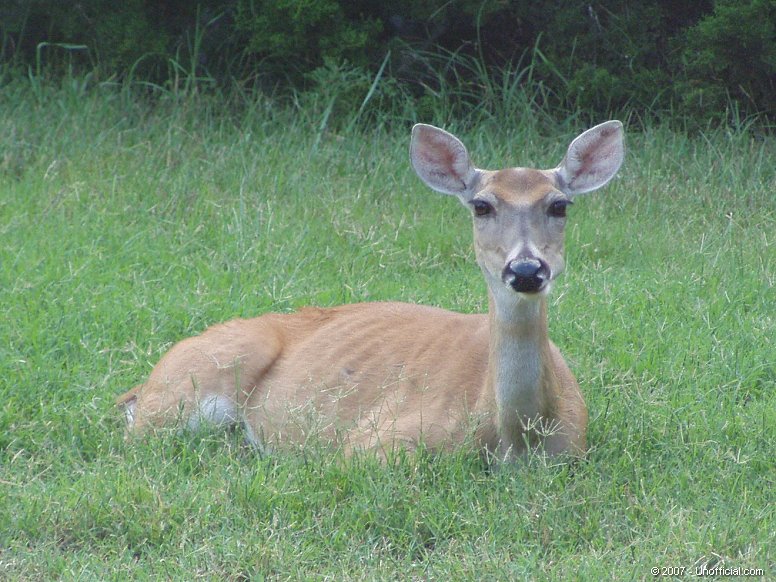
column 519, row 367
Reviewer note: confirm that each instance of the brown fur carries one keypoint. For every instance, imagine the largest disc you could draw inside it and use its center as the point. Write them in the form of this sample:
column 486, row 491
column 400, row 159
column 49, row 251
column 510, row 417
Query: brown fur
column 380, row 375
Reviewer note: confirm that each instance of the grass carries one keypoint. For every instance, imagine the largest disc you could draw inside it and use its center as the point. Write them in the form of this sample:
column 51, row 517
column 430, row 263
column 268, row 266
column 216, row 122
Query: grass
column 125, row 227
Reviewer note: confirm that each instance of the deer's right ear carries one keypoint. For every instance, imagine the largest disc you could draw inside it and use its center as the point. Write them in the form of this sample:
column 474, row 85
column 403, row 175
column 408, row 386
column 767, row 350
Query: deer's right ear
column 441, row 160
column 592, row 159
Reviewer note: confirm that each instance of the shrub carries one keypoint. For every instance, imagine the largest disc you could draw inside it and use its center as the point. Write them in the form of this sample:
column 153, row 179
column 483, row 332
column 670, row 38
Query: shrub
column 294, row 37
column 698, row 59
column 114, row 37
column 730, row 60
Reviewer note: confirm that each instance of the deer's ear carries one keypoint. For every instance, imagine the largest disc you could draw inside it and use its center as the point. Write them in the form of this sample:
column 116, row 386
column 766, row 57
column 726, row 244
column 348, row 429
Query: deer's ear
column 441, row 161
column 592, row 159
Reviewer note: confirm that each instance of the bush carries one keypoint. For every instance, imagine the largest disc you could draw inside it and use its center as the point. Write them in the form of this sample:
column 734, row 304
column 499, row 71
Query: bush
column 143, row 37
column 115, row 38
column 730, row 60
column 700, row 60
column 294, row 37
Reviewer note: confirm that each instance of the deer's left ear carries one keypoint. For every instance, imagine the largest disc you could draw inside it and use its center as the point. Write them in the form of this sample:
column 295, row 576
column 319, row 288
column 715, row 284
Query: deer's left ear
column 441, row 161
column 592, row 159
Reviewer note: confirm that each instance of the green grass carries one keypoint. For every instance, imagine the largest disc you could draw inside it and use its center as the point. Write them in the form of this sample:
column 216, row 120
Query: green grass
column 125, row 227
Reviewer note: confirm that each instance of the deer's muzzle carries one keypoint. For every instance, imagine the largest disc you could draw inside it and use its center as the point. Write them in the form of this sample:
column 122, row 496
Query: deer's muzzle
column 526, row 275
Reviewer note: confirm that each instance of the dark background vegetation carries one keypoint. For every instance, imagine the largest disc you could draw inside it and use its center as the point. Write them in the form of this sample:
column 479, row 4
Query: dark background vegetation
column 701, row 62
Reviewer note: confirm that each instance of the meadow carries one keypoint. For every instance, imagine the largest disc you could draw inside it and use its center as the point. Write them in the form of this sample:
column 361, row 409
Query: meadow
column 126, row 225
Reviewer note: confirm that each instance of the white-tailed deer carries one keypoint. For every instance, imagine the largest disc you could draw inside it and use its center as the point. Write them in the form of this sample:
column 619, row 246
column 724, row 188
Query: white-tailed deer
column 381, row 375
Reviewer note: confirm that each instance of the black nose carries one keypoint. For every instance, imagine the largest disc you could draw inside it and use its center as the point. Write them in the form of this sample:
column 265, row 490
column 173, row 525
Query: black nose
column 526, row 275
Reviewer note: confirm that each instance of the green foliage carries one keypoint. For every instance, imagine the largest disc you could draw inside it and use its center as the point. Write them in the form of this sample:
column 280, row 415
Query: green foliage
column 117, row 35
column 137, row 38
column 730, row 57
column 296, row 36
column 705, row 61
column 611, row 55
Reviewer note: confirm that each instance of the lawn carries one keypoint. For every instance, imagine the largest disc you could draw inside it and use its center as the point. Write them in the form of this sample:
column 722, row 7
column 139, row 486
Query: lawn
column 126, row 226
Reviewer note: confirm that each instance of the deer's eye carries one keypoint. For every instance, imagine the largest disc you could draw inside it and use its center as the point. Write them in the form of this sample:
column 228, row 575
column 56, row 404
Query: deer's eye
column 482, row 208
column 558, row 208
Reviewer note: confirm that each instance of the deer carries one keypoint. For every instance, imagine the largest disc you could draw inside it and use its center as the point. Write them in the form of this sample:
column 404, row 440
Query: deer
column 385, row 375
